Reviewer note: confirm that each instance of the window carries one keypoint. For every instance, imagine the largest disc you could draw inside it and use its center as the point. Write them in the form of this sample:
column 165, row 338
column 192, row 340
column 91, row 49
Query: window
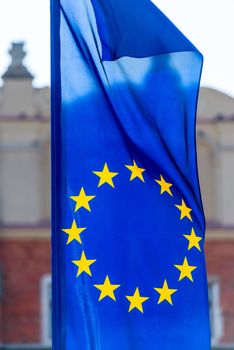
column 215, row 310
column 46, row 294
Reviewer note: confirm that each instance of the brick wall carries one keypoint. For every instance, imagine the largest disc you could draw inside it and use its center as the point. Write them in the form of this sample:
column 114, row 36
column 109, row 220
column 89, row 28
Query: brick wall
column 23, row 262
column 220, row 263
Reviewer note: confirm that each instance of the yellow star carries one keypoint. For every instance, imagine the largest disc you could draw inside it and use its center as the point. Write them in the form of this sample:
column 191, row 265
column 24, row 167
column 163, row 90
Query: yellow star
column 186, row 270
column 184, row 210
column 165, row 186
column 83, row 264
column 82, row 200
column 105, row 176
column 74, row 232
column 107, row 289
column 193, row 240
column 165, row 293
column 135, row 171
column 136, row 301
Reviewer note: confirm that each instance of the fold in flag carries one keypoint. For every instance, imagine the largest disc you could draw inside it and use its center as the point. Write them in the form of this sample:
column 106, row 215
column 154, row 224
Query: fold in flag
column 127, row 220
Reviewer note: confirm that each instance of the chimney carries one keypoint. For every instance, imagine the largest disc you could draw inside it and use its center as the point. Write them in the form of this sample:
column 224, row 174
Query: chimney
column 17, row 92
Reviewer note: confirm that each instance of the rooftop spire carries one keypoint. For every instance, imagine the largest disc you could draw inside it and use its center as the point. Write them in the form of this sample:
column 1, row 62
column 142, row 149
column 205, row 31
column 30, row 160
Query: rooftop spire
column 17, row 70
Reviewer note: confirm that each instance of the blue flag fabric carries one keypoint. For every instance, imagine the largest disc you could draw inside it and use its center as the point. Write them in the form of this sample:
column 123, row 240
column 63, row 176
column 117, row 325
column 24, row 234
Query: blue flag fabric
column 127, row 220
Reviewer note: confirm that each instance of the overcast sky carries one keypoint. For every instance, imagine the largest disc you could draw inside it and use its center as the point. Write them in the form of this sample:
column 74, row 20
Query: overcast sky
column 207, row 23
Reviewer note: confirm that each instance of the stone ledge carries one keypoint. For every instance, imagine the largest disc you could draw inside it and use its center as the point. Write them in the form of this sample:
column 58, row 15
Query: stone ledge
column 24, row 347
column 223, row 347
column 25, row 233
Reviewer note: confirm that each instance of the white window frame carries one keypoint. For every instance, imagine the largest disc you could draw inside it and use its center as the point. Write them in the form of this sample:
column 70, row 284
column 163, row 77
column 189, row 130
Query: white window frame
column 216, row 320
column 45, row 289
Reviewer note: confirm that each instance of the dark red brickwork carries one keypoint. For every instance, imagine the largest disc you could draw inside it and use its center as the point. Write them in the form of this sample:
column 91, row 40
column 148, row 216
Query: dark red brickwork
column 220, row 263
column 23, row 263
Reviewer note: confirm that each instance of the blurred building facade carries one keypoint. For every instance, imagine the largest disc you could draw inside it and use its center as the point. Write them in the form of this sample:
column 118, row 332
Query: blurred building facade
column 24, row 206
column 215, row 140
column 25, row 282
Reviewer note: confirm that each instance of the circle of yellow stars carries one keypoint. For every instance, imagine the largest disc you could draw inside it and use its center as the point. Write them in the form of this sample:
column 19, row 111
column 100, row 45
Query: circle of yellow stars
column 107, row 288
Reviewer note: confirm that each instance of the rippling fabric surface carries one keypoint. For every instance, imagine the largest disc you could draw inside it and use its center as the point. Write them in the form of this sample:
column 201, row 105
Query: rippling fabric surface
column 127, row 220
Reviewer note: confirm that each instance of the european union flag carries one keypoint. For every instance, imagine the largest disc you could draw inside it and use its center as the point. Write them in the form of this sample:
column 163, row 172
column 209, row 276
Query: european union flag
column 128, row 225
